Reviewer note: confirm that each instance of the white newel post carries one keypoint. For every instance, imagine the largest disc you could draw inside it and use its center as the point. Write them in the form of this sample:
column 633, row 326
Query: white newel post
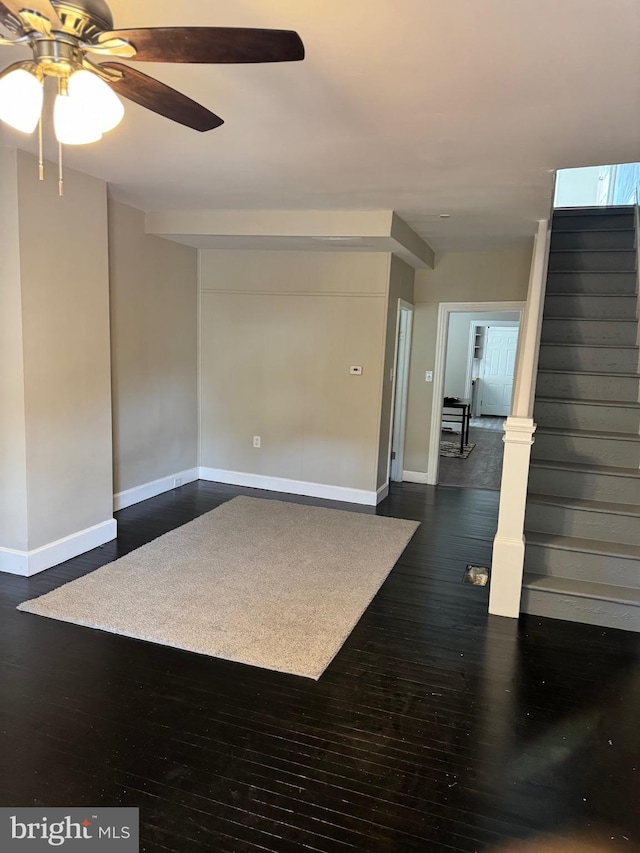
column 508, row 546
column 507, row 563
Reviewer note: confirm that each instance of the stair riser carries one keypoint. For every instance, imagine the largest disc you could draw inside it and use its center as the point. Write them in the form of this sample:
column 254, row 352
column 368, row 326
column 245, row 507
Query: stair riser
column 583, row 524
column 588, row 387
column 613, row 332
column 577, row 282
column 588, row 485
column 580, row 260
column 595, row 307
column 584, row 416
column 606, row 239
column 606, row 614
column 595, row 451
column 593, row 222
column 577, row 565
column 604, row 359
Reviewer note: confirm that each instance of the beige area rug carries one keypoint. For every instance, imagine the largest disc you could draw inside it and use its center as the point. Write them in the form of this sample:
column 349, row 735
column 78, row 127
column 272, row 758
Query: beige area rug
column 262, row 582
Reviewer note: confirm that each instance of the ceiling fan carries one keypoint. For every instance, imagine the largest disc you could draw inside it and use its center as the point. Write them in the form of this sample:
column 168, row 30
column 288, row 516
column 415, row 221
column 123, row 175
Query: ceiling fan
column 62, row 34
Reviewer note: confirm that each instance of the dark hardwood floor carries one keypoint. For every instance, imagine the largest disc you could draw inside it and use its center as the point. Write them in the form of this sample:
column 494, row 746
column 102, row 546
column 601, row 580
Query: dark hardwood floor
column 482, row 469
column 435, row 729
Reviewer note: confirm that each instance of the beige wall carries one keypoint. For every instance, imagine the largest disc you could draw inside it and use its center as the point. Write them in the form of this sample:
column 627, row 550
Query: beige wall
column 153, row 287
column 457, row 277
column 401, row 286
column 279, row 331
column 13, row 460
column 65, row 326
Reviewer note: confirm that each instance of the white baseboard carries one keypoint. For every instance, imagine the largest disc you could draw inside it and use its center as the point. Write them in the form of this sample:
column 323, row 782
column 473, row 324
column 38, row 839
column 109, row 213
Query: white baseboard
column 27, row 563
column 150, row 490
column 415, row 477
column 291, row 487
column 382, row 493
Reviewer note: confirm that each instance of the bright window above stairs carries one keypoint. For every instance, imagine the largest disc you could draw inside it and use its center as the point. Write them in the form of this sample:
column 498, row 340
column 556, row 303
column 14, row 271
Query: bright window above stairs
column 598, row 186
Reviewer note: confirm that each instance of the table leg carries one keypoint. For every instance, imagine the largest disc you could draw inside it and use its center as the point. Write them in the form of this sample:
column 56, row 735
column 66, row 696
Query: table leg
column 462, row 434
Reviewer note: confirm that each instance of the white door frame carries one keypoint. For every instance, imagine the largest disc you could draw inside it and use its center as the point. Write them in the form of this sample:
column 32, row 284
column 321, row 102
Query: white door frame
column 400, row 391
column 445, row 309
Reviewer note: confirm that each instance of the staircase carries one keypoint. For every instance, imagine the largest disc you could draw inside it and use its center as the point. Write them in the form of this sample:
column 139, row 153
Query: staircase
column 582, row 523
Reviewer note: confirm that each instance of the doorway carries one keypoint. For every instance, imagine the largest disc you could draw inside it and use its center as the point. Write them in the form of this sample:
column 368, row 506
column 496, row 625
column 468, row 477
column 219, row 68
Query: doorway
column 404, row 327
column 476, row 353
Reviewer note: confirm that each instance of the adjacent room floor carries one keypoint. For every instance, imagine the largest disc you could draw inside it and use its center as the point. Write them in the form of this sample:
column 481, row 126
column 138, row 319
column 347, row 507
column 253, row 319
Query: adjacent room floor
column 436, row 728
column 482, row 469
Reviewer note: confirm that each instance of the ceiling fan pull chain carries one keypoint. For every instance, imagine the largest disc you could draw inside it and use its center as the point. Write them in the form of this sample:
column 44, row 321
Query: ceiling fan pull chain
column 40, row 157
column 61, row 88
column 60, row 178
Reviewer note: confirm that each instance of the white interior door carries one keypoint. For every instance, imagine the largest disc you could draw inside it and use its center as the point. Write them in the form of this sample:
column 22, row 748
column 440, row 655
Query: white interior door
column 498, row 365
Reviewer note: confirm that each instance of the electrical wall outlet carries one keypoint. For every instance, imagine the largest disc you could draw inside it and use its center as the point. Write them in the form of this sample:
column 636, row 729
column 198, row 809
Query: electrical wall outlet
column 257, row 441
column 177, row 482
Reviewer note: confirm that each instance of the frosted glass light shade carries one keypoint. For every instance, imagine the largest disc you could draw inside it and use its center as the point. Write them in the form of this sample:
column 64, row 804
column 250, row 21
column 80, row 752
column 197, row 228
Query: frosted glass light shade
column 21, row 96
column 73, row 125
column 99, row 101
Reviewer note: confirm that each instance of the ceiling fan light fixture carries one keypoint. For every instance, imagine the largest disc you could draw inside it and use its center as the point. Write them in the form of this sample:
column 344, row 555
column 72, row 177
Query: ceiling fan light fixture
column 100, row 103
column 72, row 124
column 61, row 33
column 21, row 95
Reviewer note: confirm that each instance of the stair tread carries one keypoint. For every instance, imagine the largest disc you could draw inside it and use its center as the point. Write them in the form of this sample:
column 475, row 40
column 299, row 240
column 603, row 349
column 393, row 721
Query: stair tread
column 628, row 273
column 584, row 468
column 594, row 319
column 585, row 504
column 590, row 346
column 587, row 546
column 590, row 272
column 582, row 589
column 620, row 404
column 595, row 209
column 629, row 228
column 563, row 294
column 588, row 433
column 588, row 373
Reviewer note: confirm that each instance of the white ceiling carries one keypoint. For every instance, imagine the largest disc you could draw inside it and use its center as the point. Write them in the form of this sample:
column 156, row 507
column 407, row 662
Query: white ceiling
column 419, row 106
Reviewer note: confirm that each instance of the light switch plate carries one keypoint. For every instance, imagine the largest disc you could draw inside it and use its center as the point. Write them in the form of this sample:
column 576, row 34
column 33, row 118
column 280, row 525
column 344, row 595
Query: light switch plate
column 355, row 370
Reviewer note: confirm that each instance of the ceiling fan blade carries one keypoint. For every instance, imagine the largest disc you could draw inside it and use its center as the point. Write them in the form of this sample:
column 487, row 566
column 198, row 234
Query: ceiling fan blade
column 42, row 7
column 211, row 44
column 161, row 99
column 10, row 21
